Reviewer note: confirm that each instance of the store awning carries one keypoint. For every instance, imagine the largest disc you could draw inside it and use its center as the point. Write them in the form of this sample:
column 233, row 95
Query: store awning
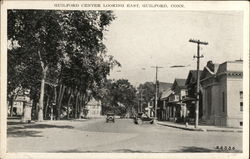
column 188, row 99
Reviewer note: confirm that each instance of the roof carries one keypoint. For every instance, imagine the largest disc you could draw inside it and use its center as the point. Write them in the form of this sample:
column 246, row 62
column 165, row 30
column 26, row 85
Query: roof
column 214, row 69
column 93, row 101
column 166, row 93
column 180, row 82
column 164, row 86
column 192, row 76
column 210, row 69
column 236, row 66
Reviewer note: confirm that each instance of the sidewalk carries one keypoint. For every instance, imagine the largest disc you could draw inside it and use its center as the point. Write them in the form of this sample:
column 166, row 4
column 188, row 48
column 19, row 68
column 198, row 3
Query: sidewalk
column 200, row 127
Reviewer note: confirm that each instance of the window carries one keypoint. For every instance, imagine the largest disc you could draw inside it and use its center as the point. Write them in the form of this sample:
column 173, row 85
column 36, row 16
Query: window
column 223, row 102
column 176, row 97
column 241, row 94
column 241, row 123
column 241, row 106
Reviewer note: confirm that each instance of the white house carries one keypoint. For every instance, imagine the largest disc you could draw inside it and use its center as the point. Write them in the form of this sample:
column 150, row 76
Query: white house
column 94, row 108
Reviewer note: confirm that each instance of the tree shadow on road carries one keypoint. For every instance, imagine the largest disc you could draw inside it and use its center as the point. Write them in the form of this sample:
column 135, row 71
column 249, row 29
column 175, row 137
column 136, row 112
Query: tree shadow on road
column 15, row 123
column 201, row 149
column 37, row 125
column 130, row 151
column 18, row 129
column 21, row 132
column 112, row 151
column 194, row 149
column 42, row 126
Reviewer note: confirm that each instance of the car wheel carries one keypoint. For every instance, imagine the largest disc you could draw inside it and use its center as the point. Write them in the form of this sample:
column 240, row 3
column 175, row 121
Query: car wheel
column 139, row 121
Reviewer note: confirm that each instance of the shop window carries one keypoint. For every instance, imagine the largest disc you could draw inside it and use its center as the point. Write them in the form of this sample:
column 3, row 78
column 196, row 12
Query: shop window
column 241, row 94
column 241, row 106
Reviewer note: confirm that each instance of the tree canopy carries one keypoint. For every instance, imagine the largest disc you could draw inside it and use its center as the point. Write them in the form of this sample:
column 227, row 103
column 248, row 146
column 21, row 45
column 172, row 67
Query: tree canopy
column 118, row 96
column 62, row 49
column 147, row 90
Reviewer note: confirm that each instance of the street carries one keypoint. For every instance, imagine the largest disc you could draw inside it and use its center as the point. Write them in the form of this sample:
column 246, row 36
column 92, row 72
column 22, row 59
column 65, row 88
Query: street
column 96, row 135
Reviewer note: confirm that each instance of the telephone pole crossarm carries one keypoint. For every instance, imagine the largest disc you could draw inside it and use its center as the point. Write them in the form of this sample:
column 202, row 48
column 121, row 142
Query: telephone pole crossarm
column 198, row 42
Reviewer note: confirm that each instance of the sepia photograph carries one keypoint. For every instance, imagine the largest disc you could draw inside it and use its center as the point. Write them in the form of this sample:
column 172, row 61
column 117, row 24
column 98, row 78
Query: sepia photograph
column 125, row 81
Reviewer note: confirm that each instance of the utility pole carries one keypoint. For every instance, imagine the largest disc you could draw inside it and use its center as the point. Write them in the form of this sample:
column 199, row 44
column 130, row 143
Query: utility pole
column 141, row 91
column 198, row 42
column 156, row 89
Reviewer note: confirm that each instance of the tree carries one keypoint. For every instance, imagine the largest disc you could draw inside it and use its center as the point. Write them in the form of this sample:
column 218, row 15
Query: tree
column 118, row 95
column 146, row 91
column 61, row 46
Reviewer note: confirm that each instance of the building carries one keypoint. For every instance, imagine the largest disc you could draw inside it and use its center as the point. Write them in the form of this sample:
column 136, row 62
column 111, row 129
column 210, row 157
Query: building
column 150, row 109
column 176, row 108
column 190, row 100
column 93, row 108
column 223, row 93
column 18, row 103
column 165, row 99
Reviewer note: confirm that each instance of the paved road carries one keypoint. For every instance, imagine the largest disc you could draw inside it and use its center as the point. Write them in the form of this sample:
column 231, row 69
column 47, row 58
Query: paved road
column 122, row 136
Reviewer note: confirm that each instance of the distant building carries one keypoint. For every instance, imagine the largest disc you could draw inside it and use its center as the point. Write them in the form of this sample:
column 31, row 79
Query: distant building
column 190, row 100
column 21, row 98
column 165, row 112
column 223, row 93
column 150, row 109
column 176, row 109
column 93, row 108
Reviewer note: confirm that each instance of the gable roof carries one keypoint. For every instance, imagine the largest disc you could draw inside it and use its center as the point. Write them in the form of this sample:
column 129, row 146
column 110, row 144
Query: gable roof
column 179, row 82
column 166, row 93
column 163, row 86
column 192, row 77
column 209, row 70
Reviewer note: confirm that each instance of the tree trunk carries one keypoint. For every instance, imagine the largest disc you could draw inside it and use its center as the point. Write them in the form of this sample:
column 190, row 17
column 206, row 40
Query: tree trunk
column 11, row 105
column 46, row 107
column 40, row 108
column 58, row 103
column 55, row 100
column 33, row 110
column 76, row 105
column 80, row 106
column 71, row 94
column 61, row 94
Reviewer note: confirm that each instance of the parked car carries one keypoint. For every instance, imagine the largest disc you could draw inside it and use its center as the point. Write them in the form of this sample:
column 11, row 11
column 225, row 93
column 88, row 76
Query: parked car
column 122, row 116
column 141, row 118
column 110, row 117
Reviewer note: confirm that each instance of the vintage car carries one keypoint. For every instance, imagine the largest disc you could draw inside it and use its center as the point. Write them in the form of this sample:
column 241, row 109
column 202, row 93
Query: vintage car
column 141, row 118
column 110, row 117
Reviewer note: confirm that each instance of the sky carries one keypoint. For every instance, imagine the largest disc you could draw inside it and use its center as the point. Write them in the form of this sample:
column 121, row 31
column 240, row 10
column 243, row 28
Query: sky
column 141, row 39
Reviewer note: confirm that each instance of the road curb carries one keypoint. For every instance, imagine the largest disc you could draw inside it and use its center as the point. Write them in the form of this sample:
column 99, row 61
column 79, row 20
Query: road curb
column 199, row 129
column 184, row 128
